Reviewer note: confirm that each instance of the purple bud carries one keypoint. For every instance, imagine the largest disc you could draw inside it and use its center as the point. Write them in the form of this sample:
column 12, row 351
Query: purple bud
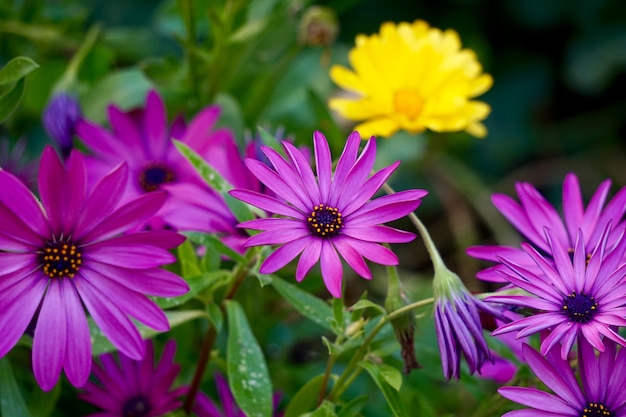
column 59, row 119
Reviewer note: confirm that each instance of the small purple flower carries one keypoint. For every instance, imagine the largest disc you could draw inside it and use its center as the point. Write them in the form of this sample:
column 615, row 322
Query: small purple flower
column 68, row 251
column 330, row 214
column 533, row 213
column 205, row 407
column 458, row 326
column 60, row 118
column 135, row 388
column 144, row 140
column 600, row 391
column 573, row 295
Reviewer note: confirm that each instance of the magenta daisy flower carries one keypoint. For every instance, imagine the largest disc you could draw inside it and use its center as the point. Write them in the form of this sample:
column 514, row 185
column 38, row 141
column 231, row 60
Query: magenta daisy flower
column 68, row 253
column 572, row 295
column 328, row 215
column 533, row 213
column 205, row 407
column 135, row 388
column 599, row 392
column 144, row 140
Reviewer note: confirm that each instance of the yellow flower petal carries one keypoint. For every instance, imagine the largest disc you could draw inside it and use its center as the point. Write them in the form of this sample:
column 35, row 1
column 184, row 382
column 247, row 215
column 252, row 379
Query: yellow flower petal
column 411, row 76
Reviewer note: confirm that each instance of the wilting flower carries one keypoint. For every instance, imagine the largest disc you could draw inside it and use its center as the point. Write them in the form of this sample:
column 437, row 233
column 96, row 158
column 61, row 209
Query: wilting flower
column 135, row 388
column 573, row 296
column 533, row 214
column 458, row 326
column 600, row 393
column 205, row 407
column 60, row 117
column 70, row 252
column 412, row 77
column 328, row 214
column 144, row 140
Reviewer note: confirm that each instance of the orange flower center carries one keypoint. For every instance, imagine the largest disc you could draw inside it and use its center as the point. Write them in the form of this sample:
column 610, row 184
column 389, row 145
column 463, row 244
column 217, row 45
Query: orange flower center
column 408, row 102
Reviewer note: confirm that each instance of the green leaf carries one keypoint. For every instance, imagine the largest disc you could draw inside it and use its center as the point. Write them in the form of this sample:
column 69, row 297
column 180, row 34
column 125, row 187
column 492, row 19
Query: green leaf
column 210, row 240
column 101, row 344
column 188, row 259
column 42, row 403
column 125, row 88
column 215, row 181
column 249, row 31
column 196, row 284
column 248, row 375
column 16, row 69
column 391, row 375
column 306, row 398
column 11, row 401
column 353, row 407
column 391, row 394
column 326, row 409
column 308, row 305
column 10, row 101
column 215, row 316
column 362, row 304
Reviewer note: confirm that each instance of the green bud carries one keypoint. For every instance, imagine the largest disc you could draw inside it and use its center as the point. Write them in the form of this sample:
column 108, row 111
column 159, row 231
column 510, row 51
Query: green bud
column 319, row 26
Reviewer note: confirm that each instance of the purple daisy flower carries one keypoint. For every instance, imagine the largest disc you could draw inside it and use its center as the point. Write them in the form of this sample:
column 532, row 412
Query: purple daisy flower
column 205, row 407
column 533, row 213
column 329, row 214
column 601, row 391
column 458, row 325
column 144, row 140
column 572, row 295
column 135, row 388
column 67, row 253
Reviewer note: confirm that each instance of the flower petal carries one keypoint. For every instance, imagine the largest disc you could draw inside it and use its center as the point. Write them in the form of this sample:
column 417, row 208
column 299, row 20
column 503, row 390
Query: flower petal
column 332, row 270
column 323, row 164
column 352, row 257
column 284, row 254
column 77, row 361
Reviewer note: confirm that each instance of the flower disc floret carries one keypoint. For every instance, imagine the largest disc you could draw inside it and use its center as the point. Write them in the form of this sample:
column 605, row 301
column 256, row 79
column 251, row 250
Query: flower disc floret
column 324, row 221
column 580, row 307
column 61, row 259
column 154, row 175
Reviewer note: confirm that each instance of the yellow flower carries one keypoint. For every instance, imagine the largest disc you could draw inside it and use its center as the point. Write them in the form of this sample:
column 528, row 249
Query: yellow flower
column 412, row 77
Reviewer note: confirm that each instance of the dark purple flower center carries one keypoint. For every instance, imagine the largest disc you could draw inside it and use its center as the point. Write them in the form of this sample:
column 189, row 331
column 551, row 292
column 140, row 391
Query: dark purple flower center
column 580, row 307
column 155, row 174
column 324, row 221
column 60, row 259
column 596, row 410
column 137, row 406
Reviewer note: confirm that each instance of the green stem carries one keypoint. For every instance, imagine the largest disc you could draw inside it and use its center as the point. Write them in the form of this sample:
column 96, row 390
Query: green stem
column 360, row 353
column 332, row 358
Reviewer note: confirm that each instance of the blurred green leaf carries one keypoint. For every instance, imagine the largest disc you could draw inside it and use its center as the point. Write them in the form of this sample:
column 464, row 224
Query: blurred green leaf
column 188, row 259
column 197, row 284
column 308, row 305
column 11, row 401
column 16, row 69
column 10, row 100
column 391, row 394
column 353, row 407
column 42, row 403
column 100, row 343
column 326, row 409
column 249, row 31
column 391, row 375
column 126, row 89
column 362, row 304
column 215, row 315
column 248, row 375
column 213, row 241
column 305, row 399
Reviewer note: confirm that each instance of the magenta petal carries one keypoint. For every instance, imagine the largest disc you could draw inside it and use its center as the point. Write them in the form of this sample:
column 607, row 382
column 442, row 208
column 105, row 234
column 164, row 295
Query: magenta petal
column 310, row 256
column 15, row 234
column 50, row 338
column 269, row 204
column 284, row 254
column 78, row 346
column 271, row 223
column 17, row 314
column 572, row 204
column 382, row 234
column 154, row 126
column 537, row 399
column 323, row 162
column 96, row 207
column 387, row 208
column 51, row 177
column 276, row 237
column 352, row 257
column 111, row 320
column 281, row 186
column 357, row 175
column 345, row 163
column 17, row 198
column 126, row 129
column 518, row 217
column 163, row 239
column 201, row 124
column 332, row 270
column 374, row 252
column 75, row 191
column 304, row 169
column 368, row 189
column 286, row 170
column 128, row 255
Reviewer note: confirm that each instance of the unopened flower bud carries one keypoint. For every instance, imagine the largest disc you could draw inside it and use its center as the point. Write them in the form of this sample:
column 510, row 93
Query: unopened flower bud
column 355, row 327
column 59, row 119
column 319, row 26
column 403, row 325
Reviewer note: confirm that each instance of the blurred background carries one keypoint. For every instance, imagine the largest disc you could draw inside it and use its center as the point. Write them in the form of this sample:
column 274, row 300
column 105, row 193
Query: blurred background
column 558, row 106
